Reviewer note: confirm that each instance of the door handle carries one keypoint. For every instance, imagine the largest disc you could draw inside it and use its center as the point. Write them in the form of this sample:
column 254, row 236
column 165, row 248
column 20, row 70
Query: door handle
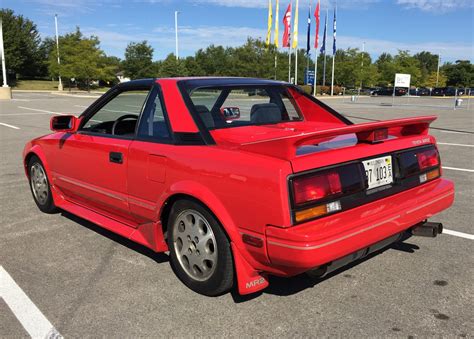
column 116, row 157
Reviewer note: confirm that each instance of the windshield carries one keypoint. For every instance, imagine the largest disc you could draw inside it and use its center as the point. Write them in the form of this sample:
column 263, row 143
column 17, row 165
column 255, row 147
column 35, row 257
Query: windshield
column 224, row 107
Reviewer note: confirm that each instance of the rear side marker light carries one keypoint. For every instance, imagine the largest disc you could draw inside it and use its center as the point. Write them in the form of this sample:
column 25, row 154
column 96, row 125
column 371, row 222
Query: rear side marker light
column 252, row 241
column 429, row 175
column 318, row 211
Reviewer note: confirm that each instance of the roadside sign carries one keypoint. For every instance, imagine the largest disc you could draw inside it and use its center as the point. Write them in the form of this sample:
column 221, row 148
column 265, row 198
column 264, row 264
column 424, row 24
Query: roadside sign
column 402, row 80
column 308, row 77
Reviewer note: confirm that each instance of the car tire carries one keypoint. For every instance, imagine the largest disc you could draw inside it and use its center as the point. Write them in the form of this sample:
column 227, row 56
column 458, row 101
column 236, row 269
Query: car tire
column 39, row 185
column 200, row 252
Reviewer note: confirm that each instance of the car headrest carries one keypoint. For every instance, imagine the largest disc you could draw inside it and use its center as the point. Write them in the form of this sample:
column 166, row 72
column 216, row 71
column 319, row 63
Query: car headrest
column 265, row 113
column 205, row 115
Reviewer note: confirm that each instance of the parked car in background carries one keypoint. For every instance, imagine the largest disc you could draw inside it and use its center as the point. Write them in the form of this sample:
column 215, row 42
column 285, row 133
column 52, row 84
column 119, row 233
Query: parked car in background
column 423, row 91
column 439, row 91
column 420, row 91
column 448, row 91
column 389, row 91
column 240, row 187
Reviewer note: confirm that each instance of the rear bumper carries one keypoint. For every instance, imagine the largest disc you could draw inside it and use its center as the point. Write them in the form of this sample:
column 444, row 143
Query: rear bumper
column 300, row 248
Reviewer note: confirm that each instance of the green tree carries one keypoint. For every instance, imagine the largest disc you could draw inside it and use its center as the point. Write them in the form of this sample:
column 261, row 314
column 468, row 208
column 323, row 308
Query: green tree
column 428, row 64
column 385, row 69
column 214, row 60
column 192, row 67
column 407, row 64
column 82, row 59
column 22, row 45
column 170, row 67
column 461, row 73
column 430, row 80
column 138, row 60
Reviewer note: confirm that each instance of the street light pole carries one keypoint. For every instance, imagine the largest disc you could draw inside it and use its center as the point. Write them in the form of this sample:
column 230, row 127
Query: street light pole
column 437, row 71
column 5, row 91
column 4, row 69
column 176, row 32
column 60, row 85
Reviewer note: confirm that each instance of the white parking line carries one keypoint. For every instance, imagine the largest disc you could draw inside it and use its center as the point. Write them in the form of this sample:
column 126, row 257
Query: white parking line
column 458, row 169
column 81, row 106
column 26, row 113
column 449, row 144
column 41, row 110
column 459, row 234
column 34, row 322
column 453, row 132
column 7, row 125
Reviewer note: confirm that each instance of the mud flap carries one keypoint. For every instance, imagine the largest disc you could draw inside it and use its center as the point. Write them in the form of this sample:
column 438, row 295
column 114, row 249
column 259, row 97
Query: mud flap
column 248, row 279
column 151, row 236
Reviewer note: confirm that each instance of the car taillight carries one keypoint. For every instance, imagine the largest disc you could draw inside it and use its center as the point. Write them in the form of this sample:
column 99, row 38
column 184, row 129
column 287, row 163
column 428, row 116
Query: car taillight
column 427, row 159
column 307, row 189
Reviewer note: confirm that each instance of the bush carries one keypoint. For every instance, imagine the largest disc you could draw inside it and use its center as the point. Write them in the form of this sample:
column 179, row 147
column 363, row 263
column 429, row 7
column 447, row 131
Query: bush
column 308, row 89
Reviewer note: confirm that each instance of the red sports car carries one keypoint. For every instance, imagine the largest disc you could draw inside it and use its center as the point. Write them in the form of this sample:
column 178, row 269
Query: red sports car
column 239, row 178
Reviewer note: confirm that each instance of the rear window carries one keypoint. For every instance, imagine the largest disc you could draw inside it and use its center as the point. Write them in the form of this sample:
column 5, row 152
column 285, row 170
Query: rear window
column 243, row 106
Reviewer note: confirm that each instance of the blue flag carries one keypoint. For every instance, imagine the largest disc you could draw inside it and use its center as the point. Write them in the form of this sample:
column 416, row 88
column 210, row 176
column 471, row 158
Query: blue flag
column 308, row 34
column 334, row 34
column 323, row 45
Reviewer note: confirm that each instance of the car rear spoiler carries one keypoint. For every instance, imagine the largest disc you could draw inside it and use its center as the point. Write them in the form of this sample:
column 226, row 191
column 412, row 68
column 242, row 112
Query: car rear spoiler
column 285, row 147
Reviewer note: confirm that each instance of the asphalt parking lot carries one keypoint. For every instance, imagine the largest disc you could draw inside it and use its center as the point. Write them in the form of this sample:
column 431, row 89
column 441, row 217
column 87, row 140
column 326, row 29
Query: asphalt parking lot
column 85, row 281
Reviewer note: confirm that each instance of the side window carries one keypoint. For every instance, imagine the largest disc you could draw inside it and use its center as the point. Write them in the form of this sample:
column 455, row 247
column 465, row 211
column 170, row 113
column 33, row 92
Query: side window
column 153, row 124
column 119, row 116
column 290, row 108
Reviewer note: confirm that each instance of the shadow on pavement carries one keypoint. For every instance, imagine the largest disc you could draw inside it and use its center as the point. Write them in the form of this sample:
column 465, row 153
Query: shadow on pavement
column 278, row 285
column 158, row 257
column 288, row 286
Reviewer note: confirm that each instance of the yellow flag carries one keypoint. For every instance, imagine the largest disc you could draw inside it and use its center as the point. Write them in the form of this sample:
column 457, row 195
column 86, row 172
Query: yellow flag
column 270, row 19
column 295, row 27
column 277, row 9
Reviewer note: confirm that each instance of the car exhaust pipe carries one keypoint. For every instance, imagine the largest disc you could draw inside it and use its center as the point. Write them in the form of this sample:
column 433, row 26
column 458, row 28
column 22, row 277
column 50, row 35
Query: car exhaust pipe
column 427, row 229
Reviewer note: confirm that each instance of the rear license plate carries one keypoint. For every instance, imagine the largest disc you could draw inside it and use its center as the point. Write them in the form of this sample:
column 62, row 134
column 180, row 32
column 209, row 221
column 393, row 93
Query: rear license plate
column 378, row 171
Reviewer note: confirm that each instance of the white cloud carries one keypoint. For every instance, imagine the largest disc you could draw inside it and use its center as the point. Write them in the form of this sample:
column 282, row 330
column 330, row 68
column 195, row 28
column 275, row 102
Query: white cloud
column 192, row 38
column 448, row 50
column 360, row 4
column 162, row 38
column 436, row 6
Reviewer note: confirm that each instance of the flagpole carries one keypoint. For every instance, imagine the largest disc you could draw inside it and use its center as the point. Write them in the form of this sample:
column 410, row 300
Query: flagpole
column 295, row 40
column 333, row 52
column 289, row 64
column 316, row 24
column 308, row 43
column 277, row 10
column 315, row 83
column 332, row 75
column 325, row 36
column 289, row 44
column 276, row 52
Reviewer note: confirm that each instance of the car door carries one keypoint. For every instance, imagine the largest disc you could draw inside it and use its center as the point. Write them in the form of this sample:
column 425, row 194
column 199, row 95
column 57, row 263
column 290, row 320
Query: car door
column 91, row 165
column 148, row 159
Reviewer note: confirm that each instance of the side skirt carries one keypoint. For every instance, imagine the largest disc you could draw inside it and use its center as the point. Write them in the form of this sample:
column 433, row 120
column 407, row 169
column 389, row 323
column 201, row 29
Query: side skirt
column 149, row 235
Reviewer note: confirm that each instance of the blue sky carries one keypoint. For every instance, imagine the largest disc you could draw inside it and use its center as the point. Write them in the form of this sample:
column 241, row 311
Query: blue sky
column 444, row 27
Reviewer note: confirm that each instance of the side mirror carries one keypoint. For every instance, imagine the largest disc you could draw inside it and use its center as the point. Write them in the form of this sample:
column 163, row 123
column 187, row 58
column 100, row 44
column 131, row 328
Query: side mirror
column 230, row 113
column 64, row 123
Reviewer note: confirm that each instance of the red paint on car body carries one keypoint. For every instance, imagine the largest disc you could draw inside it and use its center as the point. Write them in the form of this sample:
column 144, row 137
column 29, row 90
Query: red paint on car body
column 243, row 179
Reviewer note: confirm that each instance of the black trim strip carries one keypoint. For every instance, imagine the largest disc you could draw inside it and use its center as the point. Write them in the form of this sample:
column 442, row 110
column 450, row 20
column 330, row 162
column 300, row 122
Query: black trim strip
column 400, row 183
column 206, row 136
